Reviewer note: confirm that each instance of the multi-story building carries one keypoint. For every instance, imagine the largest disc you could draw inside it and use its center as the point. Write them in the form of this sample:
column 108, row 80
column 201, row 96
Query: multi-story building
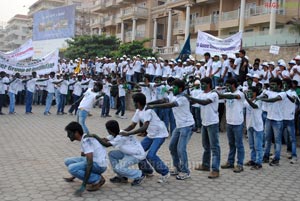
column 168, row 22
column 17, row 31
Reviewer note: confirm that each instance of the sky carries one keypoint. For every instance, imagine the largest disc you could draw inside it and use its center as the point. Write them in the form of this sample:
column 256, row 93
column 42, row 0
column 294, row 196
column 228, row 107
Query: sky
column 10, row 8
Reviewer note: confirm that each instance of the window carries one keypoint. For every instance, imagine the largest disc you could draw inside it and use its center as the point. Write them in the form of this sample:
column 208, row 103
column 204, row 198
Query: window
column 160, row 31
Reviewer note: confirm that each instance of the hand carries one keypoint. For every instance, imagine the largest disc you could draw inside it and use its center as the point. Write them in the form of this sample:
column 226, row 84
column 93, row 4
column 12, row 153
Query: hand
column 124, row 133
column 149, row 107
column 80, row 190
column 69, row 179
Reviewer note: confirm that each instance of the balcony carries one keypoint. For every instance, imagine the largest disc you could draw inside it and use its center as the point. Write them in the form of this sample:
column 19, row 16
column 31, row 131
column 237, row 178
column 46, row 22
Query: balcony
column 177, row 4
column 179, row 28
column 134, row 12
column 124, row 2
column 207, row 23
column 140, row 35
column 229, row 19
column 112, row 4
column 99, row 6
column 118, row 18
column 97, row 23
column 261, row 14
column 262, row 38
column 109, row 21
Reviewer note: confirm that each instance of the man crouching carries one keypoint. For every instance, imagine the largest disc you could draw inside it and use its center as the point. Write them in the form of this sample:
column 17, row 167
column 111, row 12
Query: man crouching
column 90, row 165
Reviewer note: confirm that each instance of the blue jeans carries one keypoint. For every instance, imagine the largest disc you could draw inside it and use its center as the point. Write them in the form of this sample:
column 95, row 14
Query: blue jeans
column 12, row 101
column 152, row 145
column 289, row 133
column 112, row 102
column 264, row 117
column 28, row 101
column 178, row 144
column 210, row 143
column 121, row 162
column 235, row 141
column 75, row 104
column 62, row 103
column 48, row 102
column 121, row 108
column 77, row 167
column 255, row 139
column 215, row 81
column 169, row 119
column 57, row 97
column 275, row 127
column 81, row 117
column 105, row 106
column 129, row 79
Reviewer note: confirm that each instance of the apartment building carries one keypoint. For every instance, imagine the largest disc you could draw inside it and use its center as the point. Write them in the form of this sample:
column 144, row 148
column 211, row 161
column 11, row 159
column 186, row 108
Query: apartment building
column 168, row 22
column 16, row 32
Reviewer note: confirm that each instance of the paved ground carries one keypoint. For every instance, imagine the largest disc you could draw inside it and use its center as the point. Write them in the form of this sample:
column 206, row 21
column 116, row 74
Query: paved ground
column 33, row 147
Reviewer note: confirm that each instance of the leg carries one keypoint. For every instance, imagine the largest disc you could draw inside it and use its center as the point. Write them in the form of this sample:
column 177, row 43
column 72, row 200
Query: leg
column 184, row 138
column 258, row 140
column 144, row 165
column 277, row 129
column 238, row 135
column 206, row 146
column 81, row 117
column 173, row 148
column 251, row 138
column 213, row 133
column 231, row 142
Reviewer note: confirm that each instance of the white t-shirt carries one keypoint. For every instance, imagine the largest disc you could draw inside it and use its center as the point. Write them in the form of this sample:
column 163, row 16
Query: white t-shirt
column 147, row 92
column 216, row 65
column 158, row 70
column 167, row 71
column 254, row 116
column 234, row 109
column 88, row 100
column 31, row 85
column 289, row 107
column 182, row 114
column 91, row 145
column 151, row 69
column 77, row 89
column 129, row 69
column 237, row 62
column 64, row 87
column 296, row 76
column 156, row 128
column 137, row 66
column 275, row 110
column 106, row 88
column 14, row 86
column 208, row 67
column 209, row 112
column 225, row 64
column 195, row 93
column 122, row 91
column 128, row 145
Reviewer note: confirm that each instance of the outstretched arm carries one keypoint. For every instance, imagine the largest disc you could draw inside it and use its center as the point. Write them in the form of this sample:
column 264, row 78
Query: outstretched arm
column 199, row 101
column 136, row 131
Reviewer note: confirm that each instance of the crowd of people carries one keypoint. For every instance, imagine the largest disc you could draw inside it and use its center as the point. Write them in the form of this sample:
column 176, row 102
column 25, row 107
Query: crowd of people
column 171, row 97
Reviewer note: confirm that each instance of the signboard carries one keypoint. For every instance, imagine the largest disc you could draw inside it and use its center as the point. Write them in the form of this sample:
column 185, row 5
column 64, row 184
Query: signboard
column 23, row 52
column 213, row 45
column 54, row 23
column 274, row 49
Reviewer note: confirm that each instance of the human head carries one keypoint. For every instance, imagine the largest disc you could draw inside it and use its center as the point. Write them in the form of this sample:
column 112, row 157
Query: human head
column 170, row 81
column 139, row 100
column 33, row 74
column 206, row 83
column 74, row 131
column 287, row 84
column 242, row 53
column 97, row 87
column 147, row 78
column 112, row 127
column 231, row 84
column 252, row 92
column 207, row 56
column 178, row 86
column 275, row 84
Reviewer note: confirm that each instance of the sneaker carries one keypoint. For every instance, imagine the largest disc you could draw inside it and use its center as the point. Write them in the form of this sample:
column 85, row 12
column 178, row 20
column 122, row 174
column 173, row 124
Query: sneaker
column 238, row 169
column 266, row 159
column 108, row 115
column 102, row 116
column 183, row 176
column 256, row 167
column 138, row 181
column 174, row 172
column 95, row 187
column 123, row 117
column 198, row 130
column 70, row 113
column 202, row 168
column 213, row 174
column 293, row 160
column 227, row 166
column 117, row 179
column 148, row 174
column 163, row 179
column 274, row 162
column 250, row 163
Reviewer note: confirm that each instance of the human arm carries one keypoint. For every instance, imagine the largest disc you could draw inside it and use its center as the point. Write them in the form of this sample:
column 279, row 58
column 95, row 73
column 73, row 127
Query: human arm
column 102, row 141
column 136, row 131
column 253, row 105
column 199, row 101
column 160, row 101
column 270, row 100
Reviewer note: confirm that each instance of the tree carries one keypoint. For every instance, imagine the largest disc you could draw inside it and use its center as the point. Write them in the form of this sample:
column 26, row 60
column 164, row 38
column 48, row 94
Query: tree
column 134, row 48
column 295, row 25
column 91, row 46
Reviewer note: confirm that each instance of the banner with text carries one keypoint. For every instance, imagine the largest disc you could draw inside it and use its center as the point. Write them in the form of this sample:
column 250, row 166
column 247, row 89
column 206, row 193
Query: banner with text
column 25, row 51
column 42, row 66
column 54, row 23
column 213, row 45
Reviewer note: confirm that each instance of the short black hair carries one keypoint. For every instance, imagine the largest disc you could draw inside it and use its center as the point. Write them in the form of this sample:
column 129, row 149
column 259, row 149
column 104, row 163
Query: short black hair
column 243, row 51
column 179, row 83
column 207, row 54
column 139, row 98
column 170, row 80
column 254, row 89
column 207, row 80
column 147, row 76
column 73, row 127
column 113, row 126
column 288, row 81
column 99, row 84
column 232, row 81
column 276, row 80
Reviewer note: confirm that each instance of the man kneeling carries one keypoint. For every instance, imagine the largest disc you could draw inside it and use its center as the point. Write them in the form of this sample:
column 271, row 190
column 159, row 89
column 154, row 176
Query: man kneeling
column 92, row 162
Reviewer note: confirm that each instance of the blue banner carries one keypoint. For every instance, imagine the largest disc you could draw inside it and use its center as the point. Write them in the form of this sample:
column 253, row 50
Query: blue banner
column 54, row 23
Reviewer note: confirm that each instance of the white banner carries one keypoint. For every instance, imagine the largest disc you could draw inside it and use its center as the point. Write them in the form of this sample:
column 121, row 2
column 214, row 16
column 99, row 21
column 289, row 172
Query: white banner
column 23, row 52
column 42, row 66
column 213, row 45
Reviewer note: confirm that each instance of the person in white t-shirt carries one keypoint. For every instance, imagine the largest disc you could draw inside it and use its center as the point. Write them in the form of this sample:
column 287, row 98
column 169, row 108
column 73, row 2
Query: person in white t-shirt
column 195, row 109
column 92, row 163
column 129, row 153
column 234, row 118
column 156, row 135
column 209, row 102
column 183, row 131
column 106, row 100
column 12, row 91
column 121, row 96
column 274, row 121
column 216, row 68
column 86, row 104
column 289, row 107
column 255, row 128
column 295, row 71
